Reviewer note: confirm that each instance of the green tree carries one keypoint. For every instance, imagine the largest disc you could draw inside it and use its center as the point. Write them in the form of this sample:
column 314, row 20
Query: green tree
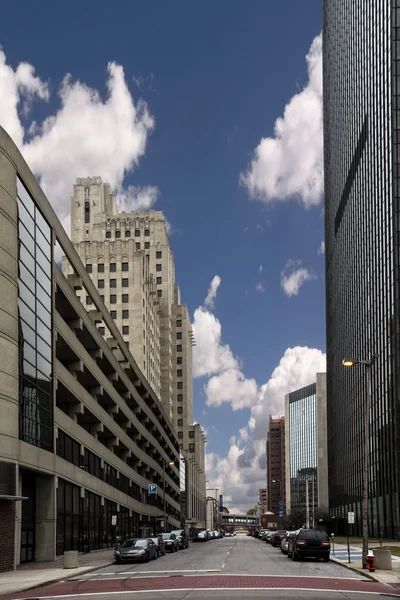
column 251, row 512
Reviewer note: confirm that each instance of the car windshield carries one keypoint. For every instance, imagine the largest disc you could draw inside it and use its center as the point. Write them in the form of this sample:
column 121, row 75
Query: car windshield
column 134, row 543
column 166, row 536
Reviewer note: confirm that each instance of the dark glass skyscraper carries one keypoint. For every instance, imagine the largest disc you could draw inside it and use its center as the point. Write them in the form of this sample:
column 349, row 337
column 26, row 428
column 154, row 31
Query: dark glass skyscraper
column 361, row 58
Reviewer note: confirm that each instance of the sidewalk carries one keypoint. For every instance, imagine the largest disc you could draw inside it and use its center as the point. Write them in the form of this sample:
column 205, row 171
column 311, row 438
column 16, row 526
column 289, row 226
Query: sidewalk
column 391, row 578
column 34, row 575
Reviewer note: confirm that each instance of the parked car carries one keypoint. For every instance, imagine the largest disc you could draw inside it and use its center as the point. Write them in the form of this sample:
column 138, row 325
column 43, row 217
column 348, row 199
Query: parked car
column 183, row 540
column 262, row 534
column 217, row 534
column 170, row 542
column 136, row 549
column 268, row 536
column 202, row 536
column 285, row 541
column 309, row 542
column 256, row 533
column 277, row 537
column 159, row 542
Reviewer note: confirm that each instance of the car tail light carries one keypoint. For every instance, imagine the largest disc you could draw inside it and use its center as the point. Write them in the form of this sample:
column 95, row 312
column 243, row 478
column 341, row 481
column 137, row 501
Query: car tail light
column 288, row 539
column 326, row 544
column 301, row 543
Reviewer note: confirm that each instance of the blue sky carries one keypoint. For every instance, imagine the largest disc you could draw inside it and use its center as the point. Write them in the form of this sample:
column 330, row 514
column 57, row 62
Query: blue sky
column 215, row 76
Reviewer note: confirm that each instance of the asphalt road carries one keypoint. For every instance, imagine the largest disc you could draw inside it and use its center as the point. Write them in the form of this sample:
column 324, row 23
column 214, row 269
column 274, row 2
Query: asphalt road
column 239, row 568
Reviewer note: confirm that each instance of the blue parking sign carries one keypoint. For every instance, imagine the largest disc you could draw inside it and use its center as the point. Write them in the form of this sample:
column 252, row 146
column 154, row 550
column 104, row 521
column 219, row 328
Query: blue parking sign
column 152, row 488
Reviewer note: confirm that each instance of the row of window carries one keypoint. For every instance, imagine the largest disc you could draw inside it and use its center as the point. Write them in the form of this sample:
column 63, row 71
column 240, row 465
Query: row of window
column 127, row 233
column 113, row 265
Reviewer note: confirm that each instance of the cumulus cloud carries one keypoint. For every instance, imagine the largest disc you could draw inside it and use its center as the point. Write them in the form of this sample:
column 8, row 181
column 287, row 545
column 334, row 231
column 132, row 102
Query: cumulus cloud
column 86, row 136
column 290, row 164
column 260, row 268
column 212, row 291
column 293, row 276
column 242, row 471
column 233, row 387
column 260, row 287
column 321, row 249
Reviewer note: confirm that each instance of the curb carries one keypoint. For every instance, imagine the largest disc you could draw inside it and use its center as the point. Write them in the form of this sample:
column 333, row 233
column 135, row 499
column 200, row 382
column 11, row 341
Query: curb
column 65, row 576
column 355, row 570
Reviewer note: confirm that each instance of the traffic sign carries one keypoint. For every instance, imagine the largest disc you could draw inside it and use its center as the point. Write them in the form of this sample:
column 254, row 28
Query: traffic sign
column 152, row 488
column 281, row 513
column 350, row 517
column 113, row 520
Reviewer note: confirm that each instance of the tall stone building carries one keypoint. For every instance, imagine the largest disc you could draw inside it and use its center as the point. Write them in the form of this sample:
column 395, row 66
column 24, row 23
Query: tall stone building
column 130, row 260
column 276, row 490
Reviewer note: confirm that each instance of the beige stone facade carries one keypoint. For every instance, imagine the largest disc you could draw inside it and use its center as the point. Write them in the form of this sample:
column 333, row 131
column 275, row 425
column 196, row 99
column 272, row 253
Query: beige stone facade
column 137, row 285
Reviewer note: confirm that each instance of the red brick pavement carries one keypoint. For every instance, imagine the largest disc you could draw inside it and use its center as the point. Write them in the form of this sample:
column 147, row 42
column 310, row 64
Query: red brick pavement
column 104, row 585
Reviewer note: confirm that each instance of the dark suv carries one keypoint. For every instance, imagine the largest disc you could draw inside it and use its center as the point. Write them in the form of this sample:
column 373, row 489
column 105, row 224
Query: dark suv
column 309, row 542
column 277, row 537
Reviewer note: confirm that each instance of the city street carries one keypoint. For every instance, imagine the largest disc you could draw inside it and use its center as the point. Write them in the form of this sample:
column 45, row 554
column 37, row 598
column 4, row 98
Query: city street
column 219, row 569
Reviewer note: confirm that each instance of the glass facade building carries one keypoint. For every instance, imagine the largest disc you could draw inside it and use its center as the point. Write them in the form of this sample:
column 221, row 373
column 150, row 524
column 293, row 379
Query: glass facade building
column 361, row 82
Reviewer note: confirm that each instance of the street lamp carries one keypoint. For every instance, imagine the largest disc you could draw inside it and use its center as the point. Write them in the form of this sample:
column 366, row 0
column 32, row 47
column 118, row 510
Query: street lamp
column 171, row 463
column 350, row 362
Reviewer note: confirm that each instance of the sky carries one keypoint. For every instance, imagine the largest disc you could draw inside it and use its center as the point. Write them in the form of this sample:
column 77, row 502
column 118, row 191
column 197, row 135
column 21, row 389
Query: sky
column 212, row 113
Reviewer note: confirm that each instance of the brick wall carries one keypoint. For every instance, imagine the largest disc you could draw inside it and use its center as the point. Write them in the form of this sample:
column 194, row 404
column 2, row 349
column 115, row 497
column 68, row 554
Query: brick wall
column 7, row 535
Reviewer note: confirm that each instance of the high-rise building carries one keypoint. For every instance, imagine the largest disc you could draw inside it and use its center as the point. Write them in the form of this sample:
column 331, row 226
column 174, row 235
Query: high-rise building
column 306, row 450
column 276, row 490
column 129, row 258
column 361, row 58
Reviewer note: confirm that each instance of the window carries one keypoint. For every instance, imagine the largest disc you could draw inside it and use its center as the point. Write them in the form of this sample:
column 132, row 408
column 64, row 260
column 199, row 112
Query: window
column 158, row 267
column 113, row 299
column 113, row 283
column 147, row 232
column 146, row 245
column 158, row 254
column 118, row 234
column 191, row 447
column 125, row 282
column 180, row 434
column 179, row 360
column 127, row 233
column 159, row 280
column 180, row 410
column 125, row 266
column 137, row 232
column 113, row 314
column 191, row 434
column 179, row 348
column 159, row 293
column 87, row 212
column 180, row 422
column 89, row 300
column 125, row 298
column 179, row 373
column 179, row 335
column 179, row 385
column 89, row 268
column 125, row 314
column 113, row 267
column 102, row 297
column 180, row 397
column 179, row 323
column 125, row 329
column 100, row 267
column 102, row 330
column 100, row 283
column 137, row 245
column 108, row 234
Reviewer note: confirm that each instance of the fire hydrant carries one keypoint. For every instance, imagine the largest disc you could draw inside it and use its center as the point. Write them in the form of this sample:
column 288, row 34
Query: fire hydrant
column 371, row 561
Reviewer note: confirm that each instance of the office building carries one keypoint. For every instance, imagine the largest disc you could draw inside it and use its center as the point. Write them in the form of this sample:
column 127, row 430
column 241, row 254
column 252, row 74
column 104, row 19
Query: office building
column 129, row 258
column 306, row 451
column 276, row 490
column 361, row 84
column 82, row 433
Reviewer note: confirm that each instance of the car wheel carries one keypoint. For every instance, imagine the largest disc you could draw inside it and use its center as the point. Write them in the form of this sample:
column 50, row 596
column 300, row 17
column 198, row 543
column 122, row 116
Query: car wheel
column 155, row 556
column 326, row 558
column 146, row 560
column 163, row 553
column 294, row 557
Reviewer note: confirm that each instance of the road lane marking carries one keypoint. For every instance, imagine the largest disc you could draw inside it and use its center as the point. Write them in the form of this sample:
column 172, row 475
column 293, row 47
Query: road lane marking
column 223, row 565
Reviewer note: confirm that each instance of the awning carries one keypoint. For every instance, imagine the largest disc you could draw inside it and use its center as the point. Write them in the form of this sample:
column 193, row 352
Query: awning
column 13, row 498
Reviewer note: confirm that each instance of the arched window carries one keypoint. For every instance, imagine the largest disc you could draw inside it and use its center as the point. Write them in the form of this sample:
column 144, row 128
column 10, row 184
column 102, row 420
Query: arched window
column 87, row 212
column 117, row 234
column 127, row 233
column 147, row 232
column 108, row 234
column 137, row 232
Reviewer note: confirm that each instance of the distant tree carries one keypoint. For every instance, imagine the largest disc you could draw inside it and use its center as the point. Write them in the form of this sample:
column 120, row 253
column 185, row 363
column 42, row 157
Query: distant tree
column 251, row 512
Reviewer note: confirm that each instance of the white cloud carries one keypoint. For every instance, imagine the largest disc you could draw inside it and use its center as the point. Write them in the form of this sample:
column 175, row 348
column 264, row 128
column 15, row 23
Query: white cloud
column 260, row 268
column 212, row 291
column 290, row 164
column 260, row 287
column 233, row 387
column 321, row 249
column 242, row 471
column 87, row 135
column 209, row 355
column 293, row 276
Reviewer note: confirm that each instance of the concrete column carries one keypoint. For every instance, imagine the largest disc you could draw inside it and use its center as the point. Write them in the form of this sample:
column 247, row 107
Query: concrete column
column 45, row 518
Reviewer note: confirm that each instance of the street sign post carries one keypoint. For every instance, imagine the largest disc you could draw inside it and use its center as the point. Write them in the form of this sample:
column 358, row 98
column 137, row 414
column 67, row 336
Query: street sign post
column 350, row 521
column 350, row 517
column 113, row 520
column 152, row 489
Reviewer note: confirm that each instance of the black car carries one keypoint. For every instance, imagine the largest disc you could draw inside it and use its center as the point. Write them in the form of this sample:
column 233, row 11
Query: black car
column 136, row 549
column 277, row 537
column 183, row 540
column 309, row 542
column 170, row 542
